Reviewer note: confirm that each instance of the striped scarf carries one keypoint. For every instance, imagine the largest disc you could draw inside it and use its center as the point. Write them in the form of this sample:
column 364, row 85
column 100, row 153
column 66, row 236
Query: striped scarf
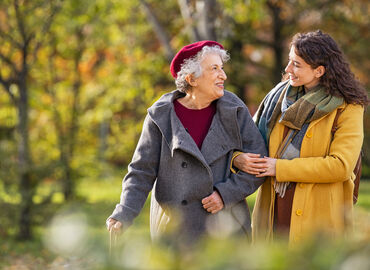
column 296, row 110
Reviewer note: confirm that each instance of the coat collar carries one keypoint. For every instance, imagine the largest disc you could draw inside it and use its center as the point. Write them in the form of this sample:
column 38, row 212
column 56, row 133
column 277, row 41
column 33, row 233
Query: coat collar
column 223, row 135
column 313, row 123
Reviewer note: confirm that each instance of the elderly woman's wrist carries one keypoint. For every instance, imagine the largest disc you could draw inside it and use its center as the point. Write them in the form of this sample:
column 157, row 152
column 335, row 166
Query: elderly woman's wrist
column 234, row 167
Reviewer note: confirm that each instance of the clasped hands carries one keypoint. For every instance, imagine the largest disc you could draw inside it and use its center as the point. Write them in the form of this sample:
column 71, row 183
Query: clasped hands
column 213, row 204
column 254, row 164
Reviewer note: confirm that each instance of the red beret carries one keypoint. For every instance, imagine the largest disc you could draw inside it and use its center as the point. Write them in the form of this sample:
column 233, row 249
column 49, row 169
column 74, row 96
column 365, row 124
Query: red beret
column 187, row 52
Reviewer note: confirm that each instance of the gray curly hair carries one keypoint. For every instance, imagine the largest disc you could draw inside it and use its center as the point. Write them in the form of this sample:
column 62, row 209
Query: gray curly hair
column 192, row 65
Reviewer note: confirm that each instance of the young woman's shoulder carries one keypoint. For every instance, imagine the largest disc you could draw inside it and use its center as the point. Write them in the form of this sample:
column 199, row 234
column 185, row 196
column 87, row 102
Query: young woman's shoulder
column 350, row 107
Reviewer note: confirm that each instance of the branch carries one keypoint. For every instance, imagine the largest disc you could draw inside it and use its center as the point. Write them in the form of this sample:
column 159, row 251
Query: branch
column 26, row 40
column 20, row 22
column 8, row 36
column 46, row 27
column 9, row 62
column 11, row 39
column 6, row 84
column 159, row 30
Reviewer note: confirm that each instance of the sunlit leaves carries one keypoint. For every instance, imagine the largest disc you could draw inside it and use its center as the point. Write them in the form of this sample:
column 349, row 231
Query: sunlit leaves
column 110, row 51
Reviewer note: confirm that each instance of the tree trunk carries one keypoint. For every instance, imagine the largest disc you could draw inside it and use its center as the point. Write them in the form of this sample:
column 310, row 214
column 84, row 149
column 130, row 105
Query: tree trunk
column 25, row 164
column 69, row 185
column 207, row 14
column 189, row 21
column 159, row 30
column 278, row 39
column 199, row 21
column 103, row 137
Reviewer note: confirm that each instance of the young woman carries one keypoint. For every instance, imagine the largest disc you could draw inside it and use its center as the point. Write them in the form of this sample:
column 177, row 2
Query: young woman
column 310, row 172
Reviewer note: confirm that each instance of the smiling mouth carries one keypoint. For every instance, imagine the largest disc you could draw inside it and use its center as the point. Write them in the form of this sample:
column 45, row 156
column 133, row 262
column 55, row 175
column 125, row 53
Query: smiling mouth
column 221, row 85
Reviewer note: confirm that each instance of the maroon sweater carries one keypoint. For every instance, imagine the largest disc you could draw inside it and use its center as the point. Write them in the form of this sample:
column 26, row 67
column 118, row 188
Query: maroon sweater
column 196, row 122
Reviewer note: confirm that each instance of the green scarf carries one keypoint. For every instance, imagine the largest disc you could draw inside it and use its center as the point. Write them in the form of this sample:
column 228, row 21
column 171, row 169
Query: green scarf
column 296, row 107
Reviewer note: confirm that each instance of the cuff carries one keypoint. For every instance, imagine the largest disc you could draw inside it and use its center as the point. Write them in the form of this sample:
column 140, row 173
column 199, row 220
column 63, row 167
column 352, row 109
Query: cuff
column 123, row 214
column 232, row 168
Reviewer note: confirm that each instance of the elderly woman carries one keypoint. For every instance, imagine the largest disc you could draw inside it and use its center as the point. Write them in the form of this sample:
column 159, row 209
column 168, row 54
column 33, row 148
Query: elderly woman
column 186, row 144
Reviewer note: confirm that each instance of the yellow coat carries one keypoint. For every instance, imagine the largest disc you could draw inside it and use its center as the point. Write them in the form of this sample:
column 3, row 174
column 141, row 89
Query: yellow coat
column 324, row 175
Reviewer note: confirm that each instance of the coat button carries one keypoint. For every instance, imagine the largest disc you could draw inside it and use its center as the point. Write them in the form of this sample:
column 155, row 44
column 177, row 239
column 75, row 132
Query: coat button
column 184, row 202
column 301, row 185
column 309, row 134
column 184, row 164
column 299, row 212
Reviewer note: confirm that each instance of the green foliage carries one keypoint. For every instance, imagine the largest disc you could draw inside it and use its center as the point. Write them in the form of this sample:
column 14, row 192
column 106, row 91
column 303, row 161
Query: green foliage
column 101, row 65
column 85, row 241
column 364, row 195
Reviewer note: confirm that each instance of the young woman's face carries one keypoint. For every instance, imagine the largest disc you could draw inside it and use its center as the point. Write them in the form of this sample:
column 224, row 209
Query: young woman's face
column 301, row 73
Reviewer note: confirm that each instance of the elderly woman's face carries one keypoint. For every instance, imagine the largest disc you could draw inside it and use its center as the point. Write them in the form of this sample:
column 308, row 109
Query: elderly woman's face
column 211, row 83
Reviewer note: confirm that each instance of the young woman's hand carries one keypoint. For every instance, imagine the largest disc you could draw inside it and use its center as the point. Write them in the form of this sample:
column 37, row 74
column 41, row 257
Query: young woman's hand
column 250, row 163
column 270, row 167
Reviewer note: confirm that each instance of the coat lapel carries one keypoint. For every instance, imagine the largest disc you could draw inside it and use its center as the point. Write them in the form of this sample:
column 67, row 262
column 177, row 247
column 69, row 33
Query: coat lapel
column 222, row 133
column 220, row 138
column 164, row 116
column 182, row 140
column 217, row 142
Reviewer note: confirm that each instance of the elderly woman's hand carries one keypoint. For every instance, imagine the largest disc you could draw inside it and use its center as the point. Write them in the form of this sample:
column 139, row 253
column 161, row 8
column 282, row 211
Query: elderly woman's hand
column 250, row 163
column 114, row 225
column 213, row 203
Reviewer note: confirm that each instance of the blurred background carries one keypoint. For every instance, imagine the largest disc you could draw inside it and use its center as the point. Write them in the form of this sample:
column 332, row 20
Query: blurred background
column 76, row 78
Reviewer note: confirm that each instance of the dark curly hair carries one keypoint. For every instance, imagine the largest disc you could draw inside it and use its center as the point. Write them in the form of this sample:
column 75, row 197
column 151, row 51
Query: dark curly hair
column 319, row 49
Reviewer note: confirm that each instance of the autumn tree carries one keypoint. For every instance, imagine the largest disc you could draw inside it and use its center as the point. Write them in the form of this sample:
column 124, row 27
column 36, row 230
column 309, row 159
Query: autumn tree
column 76, row 50
column 21, row 34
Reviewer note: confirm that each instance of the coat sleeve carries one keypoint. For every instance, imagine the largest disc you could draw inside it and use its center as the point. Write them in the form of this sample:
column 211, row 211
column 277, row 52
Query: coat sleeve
column 343, row 153
column 240, row 185
column 142, row 172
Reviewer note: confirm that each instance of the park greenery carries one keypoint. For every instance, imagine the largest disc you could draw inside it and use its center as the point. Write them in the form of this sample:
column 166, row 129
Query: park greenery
column 75, row 237
column 76, row 78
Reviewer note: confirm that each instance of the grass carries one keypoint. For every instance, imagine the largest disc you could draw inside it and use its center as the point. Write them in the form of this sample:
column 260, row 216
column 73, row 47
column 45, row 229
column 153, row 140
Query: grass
column 73, row 236
column 364, row 195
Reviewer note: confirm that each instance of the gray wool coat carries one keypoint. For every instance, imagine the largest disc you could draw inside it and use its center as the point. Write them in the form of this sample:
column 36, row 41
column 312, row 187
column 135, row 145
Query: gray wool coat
column 168, row 162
